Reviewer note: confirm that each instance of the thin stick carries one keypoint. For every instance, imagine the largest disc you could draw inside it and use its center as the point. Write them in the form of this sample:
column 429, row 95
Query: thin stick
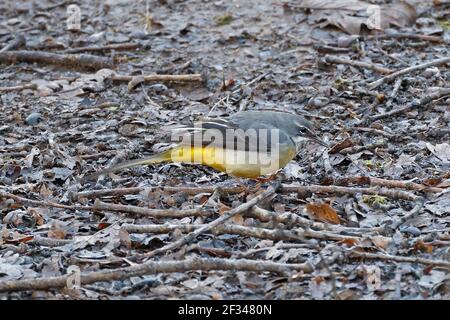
column 31, row 86
column 388, row 257
column 142, row 211
column 377, row 83
column 108, row 47
column 260, row 233
column 396, row 194
column 74, row 61
column 37, row 203
column 402, row 184
column 442, row 92
column 225, row 216
column 156, row 267
column 196, row 77
column 411, row 36
column 360, row 64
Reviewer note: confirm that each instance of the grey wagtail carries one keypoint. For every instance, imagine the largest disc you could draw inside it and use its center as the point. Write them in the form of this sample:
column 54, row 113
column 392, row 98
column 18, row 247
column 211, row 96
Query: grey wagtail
column 248, row 144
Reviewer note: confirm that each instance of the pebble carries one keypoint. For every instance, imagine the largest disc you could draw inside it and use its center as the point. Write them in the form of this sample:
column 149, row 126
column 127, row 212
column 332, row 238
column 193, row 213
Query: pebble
column 158, row 87
column 318, row 102
column 33, row 118
column 411, row 230
column 430, row 72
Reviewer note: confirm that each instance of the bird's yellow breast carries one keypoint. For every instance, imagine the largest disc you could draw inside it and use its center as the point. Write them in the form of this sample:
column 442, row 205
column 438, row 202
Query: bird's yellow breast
column 238, row 163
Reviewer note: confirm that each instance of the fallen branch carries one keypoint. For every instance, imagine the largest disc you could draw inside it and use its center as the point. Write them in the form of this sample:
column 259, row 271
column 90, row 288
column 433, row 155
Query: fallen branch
column 442, row 92
column 225, row 216
column 17, row 42
column 375, row 131
column 155, row 267
column 118, row 192
column 409, row 216
column 260, row 233
column 108, row 47
column 377, row 83
column 156, row 213
column 396, row 194
column 412, row 36
column 387, row 183
column 196, row 77
column 38, row 203
column 291, row 220
column 73, row 61
column 31, row 86
column 360, row 64
column 388, row 257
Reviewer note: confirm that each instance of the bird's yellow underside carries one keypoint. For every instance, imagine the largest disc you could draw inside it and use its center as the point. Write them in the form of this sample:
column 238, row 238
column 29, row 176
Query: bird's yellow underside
column 245, row 164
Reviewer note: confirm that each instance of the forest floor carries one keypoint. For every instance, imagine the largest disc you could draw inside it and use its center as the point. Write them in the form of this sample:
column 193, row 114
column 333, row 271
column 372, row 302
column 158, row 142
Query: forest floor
column 367, row 218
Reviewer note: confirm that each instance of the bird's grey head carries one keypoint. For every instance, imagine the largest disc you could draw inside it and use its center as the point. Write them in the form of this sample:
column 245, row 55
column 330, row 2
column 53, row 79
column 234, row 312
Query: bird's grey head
column 305, row 131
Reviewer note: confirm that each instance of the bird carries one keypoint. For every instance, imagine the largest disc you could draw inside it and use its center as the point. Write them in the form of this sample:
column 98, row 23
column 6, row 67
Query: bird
column 247, row 144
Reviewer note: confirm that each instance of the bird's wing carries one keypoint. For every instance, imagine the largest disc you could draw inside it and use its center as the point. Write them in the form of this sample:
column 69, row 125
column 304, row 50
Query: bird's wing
column 229, row 134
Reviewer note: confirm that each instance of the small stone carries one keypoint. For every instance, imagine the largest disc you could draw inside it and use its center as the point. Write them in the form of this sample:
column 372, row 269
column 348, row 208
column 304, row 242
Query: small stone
column 140, row 35
column 33, row 118
column 158, row 87
column 411, row 230
column 430, row 72
column 318, row 102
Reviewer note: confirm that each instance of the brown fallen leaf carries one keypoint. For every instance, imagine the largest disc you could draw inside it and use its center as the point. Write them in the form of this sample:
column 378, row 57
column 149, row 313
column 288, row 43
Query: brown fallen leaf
column 347, row 143
column 421, row 246
column 57, row 231
column 322, row 212
column 351, row 15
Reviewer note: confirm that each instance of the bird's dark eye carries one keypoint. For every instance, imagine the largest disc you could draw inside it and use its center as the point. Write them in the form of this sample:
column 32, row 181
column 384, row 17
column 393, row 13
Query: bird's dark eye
column 302, row 130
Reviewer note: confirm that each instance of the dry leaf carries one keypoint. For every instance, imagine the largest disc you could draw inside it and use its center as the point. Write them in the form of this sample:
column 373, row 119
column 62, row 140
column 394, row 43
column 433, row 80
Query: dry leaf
column 350, row 242
column 423, row 247
column 57, row 231
column 238, row 219
column 322, row 212
column 223, row 208
column 351, row 15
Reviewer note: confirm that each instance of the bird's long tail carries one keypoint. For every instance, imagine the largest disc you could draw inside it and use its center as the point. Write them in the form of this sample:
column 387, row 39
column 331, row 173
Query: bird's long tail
column 157, row 158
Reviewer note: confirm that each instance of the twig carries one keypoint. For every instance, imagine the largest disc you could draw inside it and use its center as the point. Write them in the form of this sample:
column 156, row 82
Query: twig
column 356, row 149
column 360, row 64
column 172, row 213
column 114, row 46
column 388, row 257
column 74, row 61
column 374, row 131
column 37, row 203
column 394, row 92
column 260, row 233
column 135, row 190
column 387, row 183
column 31, row 86
column 377, row 83
column 321, row 48
column 120, row 156
column 18, row 42
column 225, row 216
column 396, row 194
column 412, row 36
column 196, row 77
column 442, row 92
column 291, row 219
column 411, row 215
column 155, row 267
